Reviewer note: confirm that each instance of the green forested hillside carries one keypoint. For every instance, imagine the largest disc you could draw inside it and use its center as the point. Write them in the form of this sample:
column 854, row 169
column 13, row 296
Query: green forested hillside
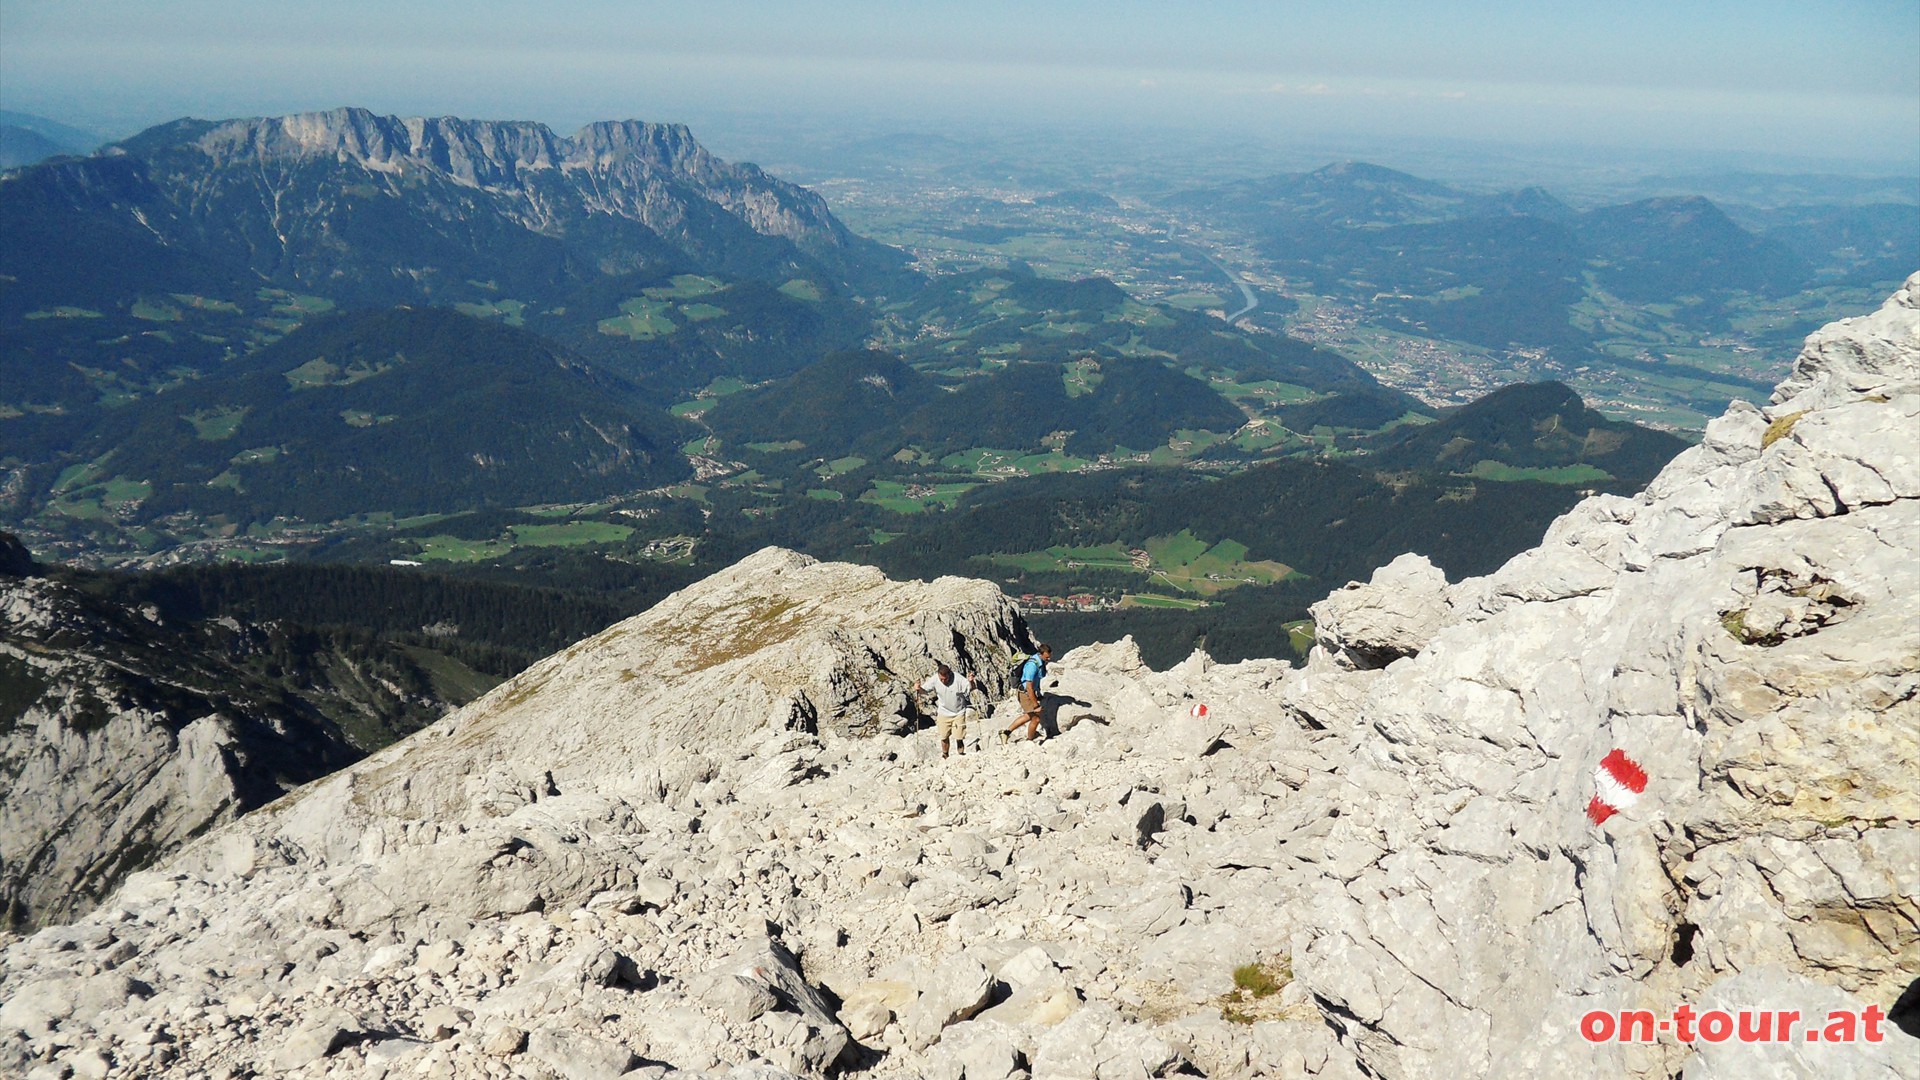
column 1324, row 519
column 1141, row 403
column 195, row 243
column 875, row 405
column 373, row 653
column 1328, row 522
column 1521, row 270
column 828, row 407
column 307, row 357
column 1657, row 249
column 402, row 411
column 1009, row 314
column 1531, row 428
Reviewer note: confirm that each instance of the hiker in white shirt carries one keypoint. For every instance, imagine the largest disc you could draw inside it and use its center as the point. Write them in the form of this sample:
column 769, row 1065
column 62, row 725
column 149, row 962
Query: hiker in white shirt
column 952, row 696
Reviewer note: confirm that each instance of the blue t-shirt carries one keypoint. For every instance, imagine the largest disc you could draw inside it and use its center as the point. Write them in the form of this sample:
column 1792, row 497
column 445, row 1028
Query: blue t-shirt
column 1033, row 672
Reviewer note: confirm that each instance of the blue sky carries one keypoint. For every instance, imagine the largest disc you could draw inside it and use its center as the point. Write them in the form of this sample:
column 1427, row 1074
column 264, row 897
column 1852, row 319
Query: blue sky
column 1825, row 79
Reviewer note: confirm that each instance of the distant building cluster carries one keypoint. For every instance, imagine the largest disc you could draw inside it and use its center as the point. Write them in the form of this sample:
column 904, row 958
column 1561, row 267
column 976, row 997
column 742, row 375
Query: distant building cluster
column 669, row 548
column 1031, row 602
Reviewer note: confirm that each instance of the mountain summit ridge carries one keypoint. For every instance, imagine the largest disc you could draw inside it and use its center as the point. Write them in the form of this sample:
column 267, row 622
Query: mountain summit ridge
column 501, row 155
column 438, row 141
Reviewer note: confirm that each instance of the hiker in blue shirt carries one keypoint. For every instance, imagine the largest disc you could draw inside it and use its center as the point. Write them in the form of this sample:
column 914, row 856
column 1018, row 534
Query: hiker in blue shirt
column 1031, row 673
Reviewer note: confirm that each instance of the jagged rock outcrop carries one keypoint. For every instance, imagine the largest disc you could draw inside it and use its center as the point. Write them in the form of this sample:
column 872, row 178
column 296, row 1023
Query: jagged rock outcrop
column 364, row 210
column 565, row 790
column 1747, row 630
column 1393, row 615
column 15, row 559
column 696, row 844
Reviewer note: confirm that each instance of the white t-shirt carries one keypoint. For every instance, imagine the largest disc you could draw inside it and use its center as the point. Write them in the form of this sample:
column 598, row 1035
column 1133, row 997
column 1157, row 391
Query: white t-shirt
column 949, row 698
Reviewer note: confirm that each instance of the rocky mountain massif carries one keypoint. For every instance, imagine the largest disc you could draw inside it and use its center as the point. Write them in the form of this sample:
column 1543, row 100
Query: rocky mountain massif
column 699, row 843
column 318, row 200
column 156, row 260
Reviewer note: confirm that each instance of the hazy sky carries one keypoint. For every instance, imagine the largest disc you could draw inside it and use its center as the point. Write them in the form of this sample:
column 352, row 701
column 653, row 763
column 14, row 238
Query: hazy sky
column 1828, row 79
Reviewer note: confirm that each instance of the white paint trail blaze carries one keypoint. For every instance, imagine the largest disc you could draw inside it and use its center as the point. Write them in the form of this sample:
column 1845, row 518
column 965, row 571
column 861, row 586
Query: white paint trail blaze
column 1617, row 783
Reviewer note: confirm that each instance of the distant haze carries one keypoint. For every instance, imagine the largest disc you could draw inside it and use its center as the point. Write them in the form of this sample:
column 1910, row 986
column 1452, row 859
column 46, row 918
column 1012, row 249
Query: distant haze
column 1835, row 82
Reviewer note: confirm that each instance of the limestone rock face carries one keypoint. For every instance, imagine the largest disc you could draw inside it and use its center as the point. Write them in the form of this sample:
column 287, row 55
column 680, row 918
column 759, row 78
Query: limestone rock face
column 713, row 841
column 520, row 864
column 1748, row 632
column 117, row 746
column 1855, row 357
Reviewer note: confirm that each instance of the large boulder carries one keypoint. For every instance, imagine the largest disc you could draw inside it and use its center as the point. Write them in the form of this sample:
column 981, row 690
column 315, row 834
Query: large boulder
column 1392, row 616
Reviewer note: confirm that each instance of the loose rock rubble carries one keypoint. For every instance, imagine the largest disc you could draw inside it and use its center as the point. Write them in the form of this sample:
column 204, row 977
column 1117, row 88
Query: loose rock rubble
column 711, row 842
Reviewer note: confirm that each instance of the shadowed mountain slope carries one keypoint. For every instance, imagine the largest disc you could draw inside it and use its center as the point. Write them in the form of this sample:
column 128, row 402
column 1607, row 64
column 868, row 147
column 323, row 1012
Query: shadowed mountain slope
column 412, row 411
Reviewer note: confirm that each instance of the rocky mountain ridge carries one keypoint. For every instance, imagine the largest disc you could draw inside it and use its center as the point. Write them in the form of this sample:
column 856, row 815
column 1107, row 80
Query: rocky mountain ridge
column 702, row 843
column 503, row 156
column 369, row 209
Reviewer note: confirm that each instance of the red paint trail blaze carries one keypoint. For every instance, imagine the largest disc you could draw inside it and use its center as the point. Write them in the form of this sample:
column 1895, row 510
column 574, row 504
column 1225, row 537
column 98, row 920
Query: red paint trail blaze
column 1617, row 783
column 1626, row 771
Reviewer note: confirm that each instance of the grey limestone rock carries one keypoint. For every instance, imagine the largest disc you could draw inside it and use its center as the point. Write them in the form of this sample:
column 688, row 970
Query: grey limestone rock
column 89, row 1064
column 1745, row 632
column 1391, row 616
column 1097, row 1043
column 977, row 1050
column 957, row 989
column 313, row 1040
column 738, row 998
column 106, row 762
column 580, row 1055
column 387, row 1053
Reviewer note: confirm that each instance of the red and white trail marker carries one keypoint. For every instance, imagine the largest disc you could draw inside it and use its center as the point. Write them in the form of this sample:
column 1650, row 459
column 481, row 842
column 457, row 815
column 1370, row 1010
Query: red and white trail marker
column 1198, row 712
column 1617, row 783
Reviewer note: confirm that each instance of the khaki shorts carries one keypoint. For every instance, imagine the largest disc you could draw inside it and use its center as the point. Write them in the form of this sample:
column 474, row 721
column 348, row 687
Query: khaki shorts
column 951, row 726
column 1029, row 701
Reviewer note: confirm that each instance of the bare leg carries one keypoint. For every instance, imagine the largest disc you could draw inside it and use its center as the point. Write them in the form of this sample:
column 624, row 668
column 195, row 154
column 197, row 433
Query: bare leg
column 1029, row 715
